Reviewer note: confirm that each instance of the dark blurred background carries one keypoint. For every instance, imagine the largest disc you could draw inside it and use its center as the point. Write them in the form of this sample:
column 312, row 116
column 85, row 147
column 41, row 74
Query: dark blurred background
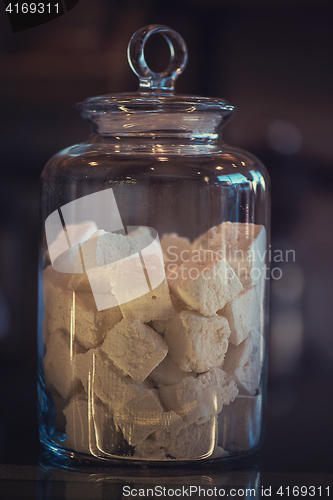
column 270, row 58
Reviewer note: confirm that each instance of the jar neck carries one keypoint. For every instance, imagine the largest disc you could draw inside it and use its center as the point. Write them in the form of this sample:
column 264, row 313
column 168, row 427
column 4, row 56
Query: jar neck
column 157, row 122
column 158, row 145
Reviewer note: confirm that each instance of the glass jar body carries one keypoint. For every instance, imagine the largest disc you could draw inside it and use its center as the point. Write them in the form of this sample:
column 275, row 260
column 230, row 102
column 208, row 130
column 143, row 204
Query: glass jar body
column 172, row 367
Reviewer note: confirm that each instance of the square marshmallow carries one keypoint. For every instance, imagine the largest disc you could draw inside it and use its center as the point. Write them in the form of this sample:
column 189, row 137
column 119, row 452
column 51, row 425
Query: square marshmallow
column 75, row 313
column 143, row 415
column 154, row 305
column 242, row 244
column 59, row 367
column 196, row 441
column 142, row 235
column 54, row 283
column 141, row 287
column 168, row 372
column 89, row 428
column 159, row 326
column 204, row 286
column 100, row 255
column 243, row 363
column 197, row 399
column 197, row 343
column 243, row 314
column 135, row 348
column 150, row 449
column 240, row 423
column 102, row 378
column 63, row 258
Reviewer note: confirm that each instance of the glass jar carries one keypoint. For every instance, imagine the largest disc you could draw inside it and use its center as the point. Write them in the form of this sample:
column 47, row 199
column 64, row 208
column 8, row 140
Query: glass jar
column 153, row 279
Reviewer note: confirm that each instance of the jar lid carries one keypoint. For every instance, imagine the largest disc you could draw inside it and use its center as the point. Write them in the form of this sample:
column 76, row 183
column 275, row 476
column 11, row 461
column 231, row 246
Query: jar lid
column 155, row 100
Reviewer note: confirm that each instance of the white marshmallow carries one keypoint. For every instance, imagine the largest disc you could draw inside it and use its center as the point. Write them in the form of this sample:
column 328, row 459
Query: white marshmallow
column 176, row 249
column 168, row 372
column 240, row 423
column 135, row 348
column 63, row 258
column 75, row 313
column 140, row 286
column 150, row 449
column 105, row 248
column 204, row 286
column 142, row 235
column 197, row 343
column 169, row 430
column 195, row 441
column 101, row 255
column 159, row 326
column 59, row 367
column 154, row 305
column 243, row 314
column 197, row 399
column 89, row 428
column 243, row 363
column 242, row 244
column 101, row 377
column 54, row 283
column 144, row 415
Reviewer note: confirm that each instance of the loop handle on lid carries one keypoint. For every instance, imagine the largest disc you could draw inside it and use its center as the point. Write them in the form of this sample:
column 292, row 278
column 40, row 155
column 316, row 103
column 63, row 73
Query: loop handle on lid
column 148, row 79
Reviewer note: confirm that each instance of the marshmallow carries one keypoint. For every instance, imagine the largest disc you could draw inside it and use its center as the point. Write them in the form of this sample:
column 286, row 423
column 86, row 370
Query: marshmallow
column 135, row 348
column 197, row 343
column 105, row 248
column 54, row 283
column 168, row 372
column 101, row 377
column 75, row 313
column 169, row 430
column 78, row 314
column 176, row 249
column 204, row 286
column 101, row 255
column 242, row 244
column 243, row 314
column 142, row 235
column 159, row 326
column 63, row 258
column 243, row 363
column 89, row 428
column 143, row 415
column 195, row 441
column 141, row 288
column 59, row 368
column 197, row 399
column 150, row 449
column 154, row 305
column 240, row 423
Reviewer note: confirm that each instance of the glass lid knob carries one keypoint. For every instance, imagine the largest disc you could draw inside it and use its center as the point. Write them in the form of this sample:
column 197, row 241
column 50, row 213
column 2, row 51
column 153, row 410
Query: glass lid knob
column 148, row 79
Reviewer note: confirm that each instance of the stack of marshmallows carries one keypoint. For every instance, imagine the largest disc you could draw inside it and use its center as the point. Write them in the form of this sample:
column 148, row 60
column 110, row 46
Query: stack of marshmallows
column 173, row 373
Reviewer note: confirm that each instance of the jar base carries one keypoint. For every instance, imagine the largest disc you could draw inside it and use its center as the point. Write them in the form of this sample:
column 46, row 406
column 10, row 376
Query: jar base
column 74, row 460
